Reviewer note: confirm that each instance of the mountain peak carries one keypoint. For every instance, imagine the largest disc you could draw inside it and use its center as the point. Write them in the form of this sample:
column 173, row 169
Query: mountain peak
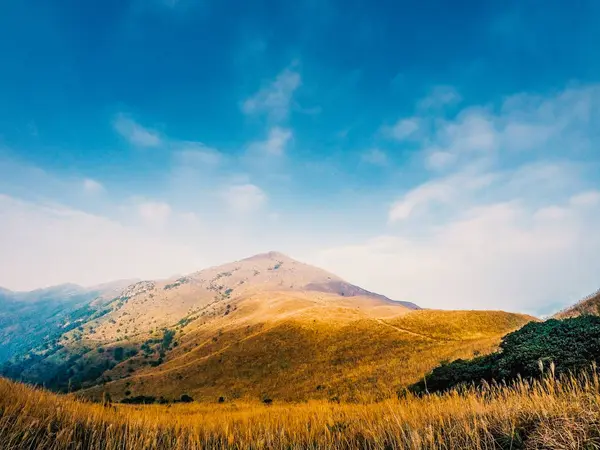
column 275, row 255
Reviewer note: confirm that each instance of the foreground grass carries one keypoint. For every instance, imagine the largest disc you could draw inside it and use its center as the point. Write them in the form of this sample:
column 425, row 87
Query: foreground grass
column 549, row 414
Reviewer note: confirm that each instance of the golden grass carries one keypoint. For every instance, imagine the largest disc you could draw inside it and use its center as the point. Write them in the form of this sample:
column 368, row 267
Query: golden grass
column 548, row 414
column 292, row 360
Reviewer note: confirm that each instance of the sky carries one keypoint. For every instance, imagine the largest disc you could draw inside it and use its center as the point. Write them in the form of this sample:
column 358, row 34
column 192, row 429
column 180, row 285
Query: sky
column 444, row 153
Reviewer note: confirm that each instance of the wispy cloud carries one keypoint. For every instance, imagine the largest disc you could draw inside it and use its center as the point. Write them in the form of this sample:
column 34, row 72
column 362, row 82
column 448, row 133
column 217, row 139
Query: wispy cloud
column 402, row 129
column 273, row 146
column 244, row 198
column 92, row 186
column 154, row 213
column 135, row 133
column 59, row 244
column 196, row 154
column 375, row 156
column 439, row 97
column 275, row 98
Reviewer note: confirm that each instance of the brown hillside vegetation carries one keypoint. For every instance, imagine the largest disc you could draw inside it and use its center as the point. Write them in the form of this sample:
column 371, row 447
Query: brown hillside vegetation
column 589, row 305
column 549, row 414
column 311, row 352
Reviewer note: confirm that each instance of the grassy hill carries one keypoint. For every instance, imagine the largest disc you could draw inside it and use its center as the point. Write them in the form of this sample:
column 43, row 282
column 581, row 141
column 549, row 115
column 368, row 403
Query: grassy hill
column 309, row 355
column 589, row 305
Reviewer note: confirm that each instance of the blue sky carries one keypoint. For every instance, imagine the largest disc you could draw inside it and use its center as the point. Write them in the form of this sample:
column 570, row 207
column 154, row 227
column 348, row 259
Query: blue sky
column 441, row 153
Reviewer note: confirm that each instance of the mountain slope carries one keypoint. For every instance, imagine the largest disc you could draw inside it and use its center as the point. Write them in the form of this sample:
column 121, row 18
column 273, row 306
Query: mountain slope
column 265, row 326
column 149, row 305
column 588, row 305
column 28, row 319
column 316, row 353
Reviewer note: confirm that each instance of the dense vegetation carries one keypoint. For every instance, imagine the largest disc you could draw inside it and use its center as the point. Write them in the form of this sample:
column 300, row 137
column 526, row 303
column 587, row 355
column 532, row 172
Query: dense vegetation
column 559, row 345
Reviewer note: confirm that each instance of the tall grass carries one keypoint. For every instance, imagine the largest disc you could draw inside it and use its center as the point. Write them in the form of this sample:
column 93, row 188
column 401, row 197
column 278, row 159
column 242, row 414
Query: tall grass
column 549, row 414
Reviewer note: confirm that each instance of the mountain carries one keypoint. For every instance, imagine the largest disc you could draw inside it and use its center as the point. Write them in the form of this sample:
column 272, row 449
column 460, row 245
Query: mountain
column 28, row 319
column 265, row 326
column 151, row 305
column 588, row 305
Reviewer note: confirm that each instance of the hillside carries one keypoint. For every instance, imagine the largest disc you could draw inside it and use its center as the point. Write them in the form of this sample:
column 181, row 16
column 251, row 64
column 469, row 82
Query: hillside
column 30, row 319
column 316, row 353
column 263, row 327
column 588, row 305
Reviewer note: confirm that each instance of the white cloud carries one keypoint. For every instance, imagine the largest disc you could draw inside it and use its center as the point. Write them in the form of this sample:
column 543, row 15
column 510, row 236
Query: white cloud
column 522, row 136
column 198, row 155
column 275, row 98
column 439, row 97
column 438, row 192
column 374, row 156
column 403, row 129
column 500, row 256
column 522, row 123
column 472, row 132
column 92, row 186
column 585, row 199
column 135, row 133
column 244, row 198
column 45, row 244
column 438, row 159
column 274, row 145
column 154, row 213
column 422, row 196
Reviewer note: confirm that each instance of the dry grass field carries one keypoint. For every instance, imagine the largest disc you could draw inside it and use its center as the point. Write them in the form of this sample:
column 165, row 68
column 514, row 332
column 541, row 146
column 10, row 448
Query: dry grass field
column 542, row 415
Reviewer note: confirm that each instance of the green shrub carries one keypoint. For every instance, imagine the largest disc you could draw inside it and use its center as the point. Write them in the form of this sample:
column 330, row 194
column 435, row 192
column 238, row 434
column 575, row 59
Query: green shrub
column 186, row 399
column 119, row 353
column 570, row 345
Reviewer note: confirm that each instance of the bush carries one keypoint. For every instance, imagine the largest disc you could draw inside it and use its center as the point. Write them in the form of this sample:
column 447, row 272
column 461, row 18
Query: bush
column 570, row 344
column 186, row 399
column 140, row 400
column 119, row 353
column 167, row 339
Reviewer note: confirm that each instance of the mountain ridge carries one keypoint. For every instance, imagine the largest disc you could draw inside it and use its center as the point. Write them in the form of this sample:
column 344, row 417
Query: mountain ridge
column 587, row 305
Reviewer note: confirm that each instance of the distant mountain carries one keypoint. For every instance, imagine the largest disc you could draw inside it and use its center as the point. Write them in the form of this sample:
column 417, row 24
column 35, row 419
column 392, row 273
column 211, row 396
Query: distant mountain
column 265, row 326
column 588, row 305
column 30, row 319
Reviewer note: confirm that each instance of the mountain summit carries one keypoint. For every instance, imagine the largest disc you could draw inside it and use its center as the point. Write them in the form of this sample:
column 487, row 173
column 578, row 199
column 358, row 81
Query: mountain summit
column 151, row 304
